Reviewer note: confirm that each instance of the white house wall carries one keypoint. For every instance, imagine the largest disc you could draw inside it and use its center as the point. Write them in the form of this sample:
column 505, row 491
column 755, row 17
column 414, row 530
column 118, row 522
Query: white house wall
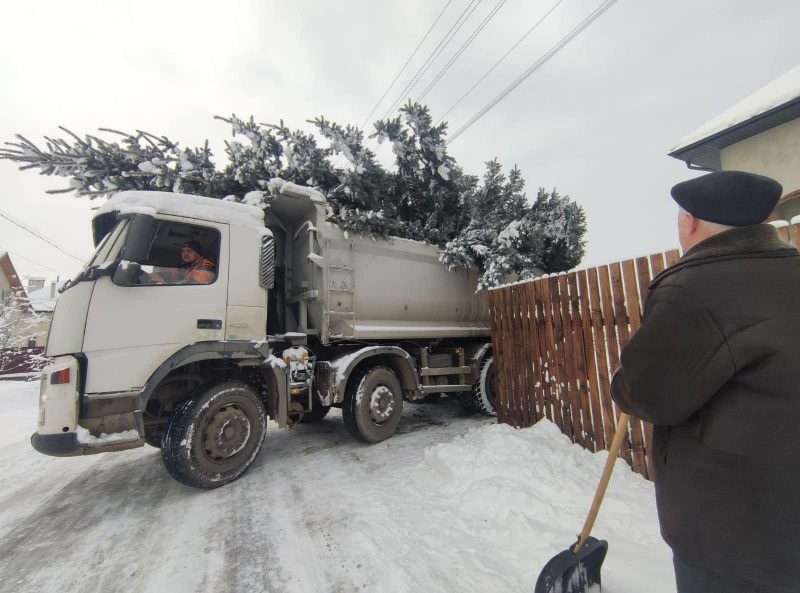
column 775, row 153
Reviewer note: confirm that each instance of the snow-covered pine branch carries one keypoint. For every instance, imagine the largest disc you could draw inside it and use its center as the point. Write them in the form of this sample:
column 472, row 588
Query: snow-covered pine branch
column 426, row 197
column 505, row 235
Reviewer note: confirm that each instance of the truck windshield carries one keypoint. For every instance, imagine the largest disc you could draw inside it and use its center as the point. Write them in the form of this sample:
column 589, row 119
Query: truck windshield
column 104, row 255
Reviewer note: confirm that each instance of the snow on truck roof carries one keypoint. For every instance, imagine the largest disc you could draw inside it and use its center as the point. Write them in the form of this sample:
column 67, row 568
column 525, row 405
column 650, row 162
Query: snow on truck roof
column 287, row 188
column 158, row 202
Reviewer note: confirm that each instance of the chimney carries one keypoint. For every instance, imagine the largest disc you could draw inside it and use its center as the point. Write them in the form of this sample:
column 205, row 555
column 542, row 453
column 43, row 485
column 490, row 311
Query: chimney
column 52, row 289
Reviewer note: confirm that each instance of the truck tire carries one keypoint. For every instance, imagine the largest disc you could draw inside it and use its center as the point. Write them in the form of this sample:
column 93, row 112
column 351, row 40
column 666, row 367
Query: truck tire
column 317, row 413
column 212, row 439
column 483, row 399
column 154, row 440
column 373, row 404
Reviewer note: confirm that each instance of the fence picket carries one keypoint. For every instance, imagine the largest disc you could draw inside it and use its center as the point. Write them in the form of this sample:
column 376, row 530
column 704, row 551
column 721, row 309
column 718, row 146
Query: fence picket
column 612, row 339
column 508, row 355
column 672, row 256
column 551, row 365
column 582, row 383
column 535, row 361
column 498, row 337
column 634, row 314
column 541, row 334
column 600, row 345
column 622, row 326
column 521, row 357
column 561, row 360
column 569, row 379
column 587, row 342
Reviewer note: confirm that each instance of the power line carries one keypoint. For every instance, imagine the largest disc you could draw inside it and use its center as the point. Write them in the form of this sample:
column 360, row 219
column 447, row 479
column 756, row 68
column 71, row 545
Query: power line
column 408, row 61
column 553, row 51
column 498, row 62
column 461, row 49
column 33, row 261
column 14, row 221
column 425, row 65
column 434, row 54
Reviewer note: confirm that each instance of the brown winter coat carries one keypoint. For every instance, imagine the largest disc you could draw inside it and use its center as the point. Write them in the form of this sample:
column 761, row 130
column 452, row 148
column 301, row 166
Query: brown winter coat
column 716, row 368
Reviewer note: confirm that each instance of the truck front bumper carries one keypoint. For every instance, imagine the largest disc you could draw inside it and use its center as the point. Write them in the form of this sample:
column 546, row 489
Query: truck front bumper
column 57, row 445
column 68, row 445
column 74, row 424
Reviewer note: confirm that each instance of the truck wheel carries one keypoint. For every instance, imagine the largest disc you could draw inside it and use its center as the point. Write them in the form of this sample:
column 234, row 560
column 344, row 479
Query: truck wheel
column 152, row 439
column 466, row 399
column 373, row 404
column 483, row 399
column 316, row 414
column 212, row 439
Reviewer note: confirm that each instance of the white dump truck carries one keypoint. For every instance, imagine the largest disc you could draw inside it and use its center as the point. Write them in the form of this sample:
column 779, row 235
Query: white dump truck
column 198, row 319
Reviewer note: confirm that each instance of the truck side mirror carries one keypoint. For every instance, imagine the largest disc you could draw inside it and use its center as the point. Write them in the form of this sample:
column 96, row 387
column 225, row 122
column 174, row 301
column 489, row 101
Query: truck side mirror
column 127, row 274
column 266, row 278
column 140, row 237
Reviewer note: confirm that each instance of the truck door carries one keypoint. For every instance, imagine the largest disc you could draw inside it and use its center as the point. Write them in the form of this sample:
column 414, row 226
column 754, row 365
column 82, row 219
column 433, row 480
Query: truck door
column 174, row 296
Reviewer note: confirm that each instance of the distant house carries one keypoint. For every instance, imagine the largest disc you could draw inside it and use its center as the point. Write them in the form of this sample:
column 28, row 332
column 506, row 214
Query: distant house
column 10, row 282
column 760, row 134
column 25, row 317
column 43, row 302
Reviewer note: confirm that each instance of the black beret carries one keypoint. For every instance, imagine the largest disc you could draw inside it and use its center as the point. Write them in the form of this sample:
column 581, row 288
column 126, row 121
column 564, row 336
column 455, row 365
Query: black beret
column 732, row 198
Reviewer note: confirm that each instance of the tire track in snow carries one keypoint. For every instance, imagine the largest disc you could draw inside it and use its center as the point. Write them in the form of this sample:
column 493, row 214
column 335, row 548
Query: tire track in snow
column 83, row 528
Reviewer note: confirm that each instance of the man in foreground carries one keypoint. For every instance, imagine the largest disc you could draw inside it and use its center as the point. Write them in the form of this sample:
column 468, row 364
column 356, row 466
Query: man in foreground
column 715, row 367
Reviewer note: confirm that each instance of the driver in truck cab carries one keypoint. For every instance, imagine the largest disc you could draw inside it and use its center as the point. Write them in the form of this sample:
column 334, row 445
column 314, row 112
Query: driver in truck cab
column 197, row 269
column 200, row 270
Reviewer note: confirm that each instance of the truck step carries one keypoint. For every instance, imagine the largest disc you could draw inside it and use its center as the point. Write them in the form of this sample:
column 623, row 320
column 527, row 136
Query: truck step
column 444, row 388
column 428, row 372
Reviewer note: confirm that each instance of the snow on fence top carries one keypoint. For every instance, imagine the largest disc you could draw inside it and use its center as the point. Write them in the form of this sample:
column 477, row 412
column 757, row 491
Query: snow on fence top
column 152, row 202
column 783, row 89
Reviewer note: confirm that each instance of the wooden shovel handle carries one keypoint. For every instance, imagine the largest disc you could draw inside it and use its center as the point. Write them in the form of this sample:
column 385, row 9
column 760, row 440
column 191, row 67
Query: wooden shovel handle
column 613, row 451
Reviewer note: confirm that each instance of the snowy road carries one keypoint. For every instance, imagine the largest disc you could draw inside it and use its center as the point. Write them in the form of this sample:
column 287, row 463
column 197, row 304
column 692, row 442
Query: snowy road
column 319, row 512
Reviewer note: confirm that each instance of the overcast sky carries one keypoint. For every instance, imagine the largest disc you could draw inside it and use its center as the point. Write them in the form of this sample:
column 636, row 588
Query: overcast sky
column 596, row 121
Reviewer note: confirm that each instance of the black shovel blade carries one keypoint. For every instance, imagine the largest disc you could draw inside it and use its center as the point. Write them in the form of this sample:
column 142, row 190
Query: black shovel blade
column 569, row 572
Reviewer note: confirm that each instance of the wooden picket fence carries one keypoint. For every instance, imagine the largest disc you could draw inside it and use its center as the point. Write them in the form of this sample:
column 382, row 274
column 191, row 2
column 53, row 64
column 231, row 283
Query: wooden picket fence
column 556, row 343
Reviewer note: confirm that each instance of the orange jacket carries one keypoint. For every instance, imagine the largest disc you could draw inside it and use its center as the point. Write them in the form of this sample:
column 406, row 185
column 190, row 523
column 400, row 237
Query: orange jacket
column 201, row 272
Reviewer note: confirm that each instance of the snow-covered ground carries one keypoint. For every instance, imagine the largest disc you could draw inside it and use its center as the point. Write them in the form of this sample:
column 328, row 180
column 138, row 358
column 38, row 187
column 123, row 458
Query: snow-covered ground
column 452, row 503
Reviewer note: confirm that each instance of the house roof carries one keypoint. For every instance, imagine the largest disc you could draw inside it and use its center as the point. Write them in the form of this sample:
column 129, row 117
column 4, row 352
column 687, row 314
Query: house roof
column 774, row 104
column 43, row 300
column 7, row 268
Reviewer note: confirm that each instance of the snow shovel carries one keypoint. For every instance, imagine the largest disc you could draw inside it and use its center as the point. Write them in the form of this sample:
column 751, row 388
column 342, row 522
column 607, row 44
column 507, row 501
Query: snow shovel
column 577, row 569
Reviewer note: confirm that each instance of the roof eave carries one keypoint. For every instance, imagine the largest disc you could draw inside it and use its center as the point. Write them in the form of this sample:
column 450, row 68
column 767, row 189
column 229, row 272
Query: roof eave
column 705, row 153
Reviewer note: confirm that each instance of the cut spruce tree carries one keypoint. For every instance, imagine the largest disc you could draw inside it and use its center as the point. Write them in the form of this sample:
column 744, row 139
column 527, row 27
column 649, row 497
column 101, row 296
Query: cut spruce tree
column 485, row 222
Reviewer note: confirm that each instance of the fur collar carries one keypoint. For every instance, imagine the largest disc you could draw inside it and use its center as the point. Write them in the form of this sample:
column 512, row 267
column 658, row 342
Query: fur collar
column 758, row 240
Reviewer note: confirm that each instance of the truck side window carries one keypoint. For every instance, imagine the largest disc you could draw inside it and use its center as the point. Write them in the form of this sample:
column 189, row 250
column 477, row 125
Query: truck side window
column 180, row 254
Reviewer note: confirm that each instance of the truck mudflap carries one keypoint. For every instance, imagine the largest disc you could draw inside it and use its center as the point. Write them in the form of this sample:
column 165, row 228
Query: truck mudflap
column 68, row 445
